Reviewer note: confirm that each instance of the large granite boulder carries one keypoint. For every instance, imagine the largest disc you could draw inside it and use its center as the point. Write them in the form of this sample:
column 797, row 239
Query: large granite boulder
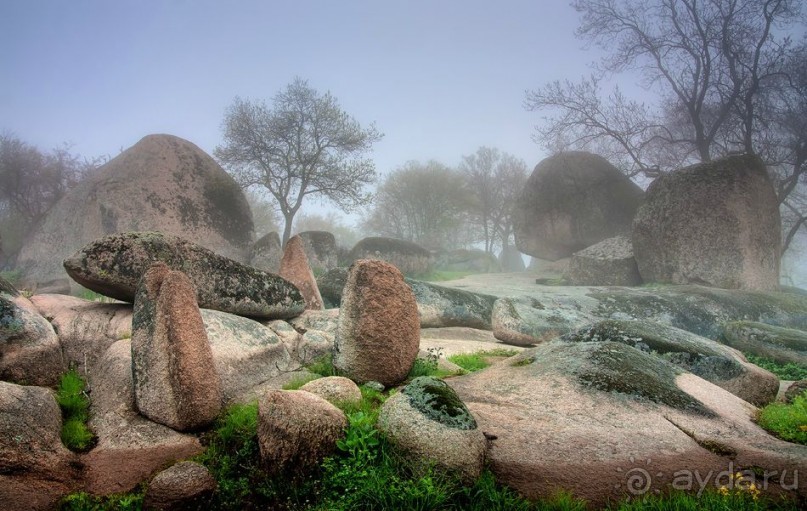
column 427, row 420
column 712, row 361
column 162, row 183
column 296, row 430
column 588, row 418
column 114, row 264
column 335, row 389
column 266, row 253
column 544, row 311
column 124, row 434
column 379, row 331
column 715, row 224
column 294, row 268
column 607, row 263
column 30, row 352
column 36, row 470
column 782, row 345
column 410, row 258
column 246, row 354
column 440, row 306
column 86, row 329
column 321, row 250
column 571, row 201
column 182, row 487
column 175, row 380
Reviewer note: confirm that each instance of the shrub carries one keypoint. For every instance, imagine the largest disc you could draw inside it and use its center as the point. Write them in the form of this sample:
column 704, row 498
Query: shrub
column 76, row 435
column 789, row 371
column 788, row 422
column 85, row 502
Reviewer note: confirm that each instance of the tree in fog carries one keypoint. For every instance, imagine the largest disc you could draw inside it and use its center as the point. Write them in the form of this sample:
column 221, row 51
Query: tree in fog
column 31, row 182
column 265, row 217
column 726, row 78
column 303, row 145
column 421, row 202
column 493, row 181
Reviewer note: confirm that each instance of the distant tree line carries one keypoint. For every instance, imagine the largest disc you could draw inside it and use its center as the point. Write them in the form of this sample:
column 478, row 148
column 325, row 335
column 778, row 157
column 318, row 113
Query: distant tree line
column 31, row 182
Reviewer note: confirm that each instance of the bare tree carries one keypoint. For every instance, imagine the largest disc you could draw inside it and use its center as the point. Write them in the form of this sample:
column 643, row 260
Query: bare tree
column 425, row 203
column 720, row 68
column 304, row 145
column 494, row 180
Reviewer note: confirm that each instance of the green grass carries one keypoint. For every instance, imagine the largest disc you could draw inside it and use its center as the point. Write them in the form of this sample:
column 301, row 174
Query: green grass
column 75, row 405
column 788, row 422
column 789, row 371
column 323, row 366
column 711, row 499
column 85, row 502
column 477, row 361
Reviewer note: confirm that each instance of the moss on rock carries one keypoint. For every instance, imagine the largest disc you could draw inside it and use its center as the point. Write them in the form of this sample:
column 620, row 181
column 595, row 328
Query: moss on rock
column 437, row 401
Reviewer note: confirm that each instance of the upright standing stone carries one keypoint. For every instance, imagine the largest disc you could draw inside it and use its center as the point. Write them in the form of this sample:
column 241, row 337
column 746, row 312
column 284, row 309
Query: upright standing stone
column 714, row 223
column 294, row 268
column 379, row 330
column 175, row 380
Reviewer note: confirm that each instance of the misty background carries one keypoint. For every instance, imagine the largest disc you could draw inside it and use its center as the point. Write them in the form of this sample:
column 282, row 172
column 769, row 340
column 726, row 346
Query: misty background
column 440, row 80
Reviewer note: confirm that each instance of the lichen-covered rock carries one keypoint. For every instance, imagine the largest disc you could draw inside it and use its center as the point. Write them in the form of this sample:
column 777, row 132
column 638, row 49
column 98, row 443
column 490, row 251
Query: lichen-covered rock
column 124, row 434
column 524, row 321
column 175, row 379
column 607, row 263
column 714, row 223
column 428, row 420
column 245, row 353
column 571, row 201
column 86, row 329
column 266, row 253
column 782, row 345
column 30, row 352
column 296, row 430
column 334, row 389
column 294, row 268
column 183, row 487
column 585, row 416
column 708, row 359
column 321, row 249
column 473, row 260
column 36, row 470
column 113, row 266
column 379, row 330
column 162, row 183
column 440, row 306
column 410, row 258
column 330, row 284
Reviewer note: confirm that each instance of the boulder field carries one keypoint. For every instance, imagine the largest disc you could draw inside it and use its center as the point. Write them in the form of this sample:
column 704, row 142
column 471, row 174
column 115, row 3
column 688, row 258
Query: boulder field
column 607, row 380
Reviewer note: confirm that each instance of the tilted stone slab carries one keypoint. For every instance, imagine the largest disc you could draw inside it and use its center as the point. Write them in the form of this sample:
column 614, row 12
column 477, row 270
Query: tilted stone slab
column 113, row 265
column 712, row 361
column 175, row 380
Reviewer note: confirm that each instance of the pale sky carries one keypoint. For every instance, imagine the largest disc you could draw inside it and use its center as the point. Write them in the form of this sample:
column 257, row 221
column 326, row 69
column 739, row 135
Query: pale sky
column 439, row 78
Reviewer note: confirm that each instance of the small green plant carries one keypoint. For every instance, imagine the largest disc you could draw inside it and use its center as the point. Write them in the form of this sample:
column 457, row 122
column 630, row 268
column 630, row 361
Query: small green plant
column 299, row 381
column 323, row 366
column 72, row 399
column 478, row 361
column 740, row 497
column 85, row 502
column 429, row 366
column 789, row 371
column 788, row 422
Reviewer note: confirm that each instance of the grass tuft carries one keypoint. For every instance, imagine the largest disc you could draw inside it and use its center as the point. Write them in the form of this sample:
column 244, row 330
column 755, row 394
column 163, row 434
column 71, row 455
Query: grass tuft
column 72, row 399
column 299, row 381
column 788, row 422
